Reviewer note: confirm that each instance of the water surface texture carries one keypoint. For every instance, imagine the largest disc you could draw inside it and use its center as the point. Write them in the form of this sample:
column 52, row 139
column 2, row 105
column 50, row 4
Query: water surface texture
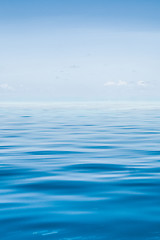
column 79, row 172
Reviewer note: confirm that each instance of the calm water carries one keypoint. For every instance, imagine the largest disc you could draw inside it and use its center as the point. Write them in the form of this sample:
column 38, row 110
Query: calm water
column 77, row 172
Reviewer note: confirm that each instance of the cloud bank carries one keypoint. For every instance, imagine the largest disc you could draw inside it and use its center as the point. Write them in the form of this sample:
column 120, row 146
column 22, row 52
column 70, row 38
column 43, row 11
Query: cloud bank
column 125, row 83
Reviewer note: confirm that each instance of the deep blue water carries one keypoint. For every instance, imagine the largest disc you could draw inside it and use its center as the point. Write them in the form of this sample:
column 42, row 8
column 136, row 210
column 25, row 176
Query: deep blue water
column 78, row 172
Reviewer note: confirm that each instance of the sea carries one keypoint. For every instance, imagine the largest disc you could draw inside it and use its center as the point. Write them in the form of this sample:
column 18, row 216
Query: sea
column 80, row 171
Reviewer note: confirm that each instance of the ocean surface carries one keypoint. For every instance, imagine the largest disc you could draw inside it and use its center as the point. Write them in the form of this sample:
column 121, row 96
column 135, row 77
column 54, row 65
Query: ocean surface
column 85, row 171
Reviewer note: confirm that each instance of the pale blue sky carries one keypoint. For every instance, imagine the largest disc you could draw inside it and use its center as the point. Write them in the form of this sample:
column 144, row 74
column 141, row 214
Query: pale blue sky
column 79, row 50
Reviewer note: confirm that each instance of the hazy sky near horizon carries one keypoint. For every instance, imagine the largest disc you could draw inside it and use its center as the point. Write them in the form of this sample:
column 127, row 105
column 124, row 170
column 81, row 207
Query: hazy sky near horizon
column 79, row 50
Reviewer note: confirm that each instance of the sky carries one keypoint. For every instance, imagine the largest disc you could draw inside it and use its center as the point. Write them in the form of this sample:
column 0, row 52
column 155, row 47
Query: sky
column 84, row 50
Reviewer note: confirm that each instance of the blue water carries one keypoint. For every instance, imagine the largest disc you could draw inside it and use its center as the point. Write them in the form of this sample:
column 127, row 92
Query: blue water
column 79, row 171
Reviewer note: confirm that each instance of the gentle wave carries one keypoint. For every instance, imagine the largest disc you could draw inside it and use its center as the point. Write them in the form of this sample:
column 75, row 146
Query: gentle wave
column 79, row 172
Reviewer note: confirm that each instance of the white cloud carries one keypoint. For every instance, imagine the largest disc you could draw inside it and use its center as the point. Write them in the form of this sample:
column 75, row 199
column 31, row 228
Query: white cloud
column 141, row 83
column 119, row 83
column 122, row 83
column 5, row 86
column 111, row 83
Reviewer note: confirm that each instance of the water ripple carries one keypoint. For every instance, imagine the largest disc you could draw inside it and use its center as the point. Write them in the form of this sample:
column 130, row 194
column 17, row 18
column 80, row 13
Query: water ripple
column 79, row 172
